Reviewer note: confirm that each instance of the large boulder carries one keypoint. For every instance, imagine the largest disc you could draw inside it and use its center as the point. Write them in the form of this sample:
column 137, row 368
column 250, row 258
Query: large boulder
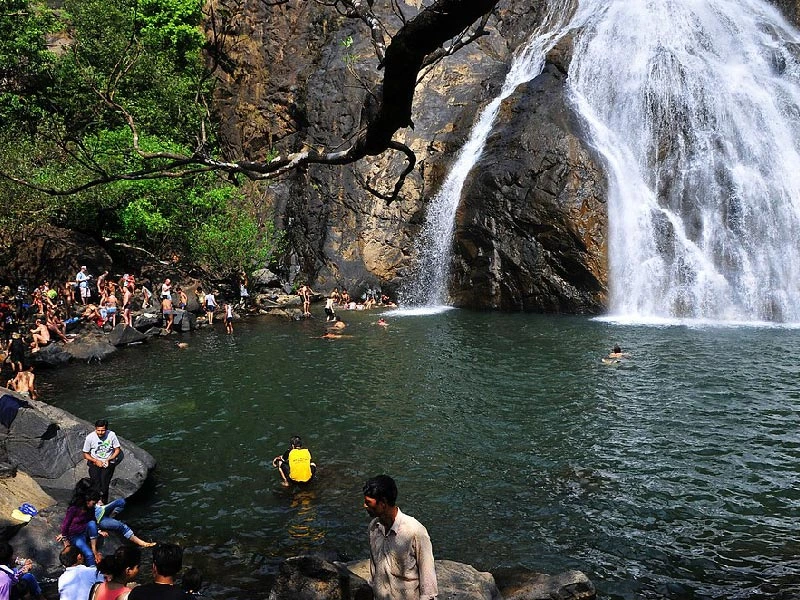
column 314, row 578
column 93, row 345
column 146, row 321
column 123, row 334
column 47, row 443
column 531, row 231
column 571, row 585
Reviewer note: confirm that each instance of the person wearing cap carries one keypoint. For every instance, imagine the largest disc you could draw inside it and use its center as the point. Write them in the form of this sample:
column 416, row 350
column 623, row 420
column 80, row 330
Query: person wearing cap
column 295, row 464
column 82, row 279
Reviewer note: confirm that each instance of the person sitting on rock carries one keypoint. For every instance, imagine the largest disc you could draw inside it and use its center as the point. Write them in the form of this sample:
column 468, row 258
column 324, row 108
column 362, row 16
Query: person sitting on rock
column 41, row 336
column 295, row 464
column 74, row 526
column 105, row 521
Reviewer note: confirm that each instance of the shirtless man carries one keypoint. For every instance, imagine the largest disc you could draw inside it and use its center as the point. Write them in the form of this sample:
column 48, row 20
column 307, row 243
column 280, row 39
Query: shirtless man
column 169, row 314
column 127, row 298
column 41, row 336
column 23, row 383
column 305, row 293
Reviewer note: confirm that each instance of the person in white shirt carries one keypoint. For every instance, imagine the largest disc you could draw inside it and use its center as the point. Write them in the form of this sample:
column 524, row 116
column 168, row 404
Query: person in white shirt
column 101, row 449
column 76, row 582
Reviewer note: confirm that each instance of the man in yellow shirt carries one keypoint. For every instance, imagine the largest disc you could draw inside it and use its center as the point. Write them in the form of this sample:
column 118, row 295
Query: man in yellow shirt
column 295, row 464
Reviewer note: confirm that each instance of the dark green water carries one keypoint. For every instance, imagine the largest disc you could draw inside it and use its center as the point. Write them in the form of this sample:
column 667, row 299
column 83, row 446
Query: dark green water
column 675, row 476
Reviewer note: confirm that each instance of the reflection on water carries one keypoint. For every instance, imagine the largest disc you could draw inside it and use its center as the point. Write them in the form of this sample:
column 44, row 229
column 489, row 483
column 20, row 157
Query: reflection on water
column 304, row 526
column 674, row 477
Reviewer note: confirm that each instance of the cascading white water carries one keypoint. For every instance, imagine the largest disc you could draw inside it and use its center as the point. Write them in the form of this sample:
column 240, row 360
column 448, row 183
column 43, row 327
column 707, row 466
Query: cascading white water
column 695, row 107
column 429, row 287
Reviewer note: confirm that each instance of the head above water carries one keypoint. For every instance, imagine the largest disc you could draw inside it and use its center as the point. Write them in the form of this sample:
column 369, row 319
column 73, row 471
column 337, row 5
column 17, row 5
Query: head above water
column 296, row 442
column 617, row 349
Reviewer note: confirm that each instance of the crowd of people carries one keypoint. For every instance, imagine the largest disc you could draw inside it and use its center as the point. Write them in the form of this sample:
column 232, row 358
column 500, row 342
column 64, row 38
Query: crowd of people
column 88, row 519
column 91, row 515
column 33, row 319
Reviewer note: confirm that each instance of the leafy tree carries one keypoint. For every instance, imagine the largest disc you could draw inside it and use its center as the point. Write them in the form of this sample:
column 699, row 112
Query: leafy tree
column 24, row 59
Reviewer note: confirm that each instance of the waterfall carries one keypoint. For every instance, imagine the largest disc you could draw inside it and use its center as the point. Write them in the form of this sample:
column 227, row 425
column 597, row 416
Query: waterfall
column 694, row 106
column 433, row 248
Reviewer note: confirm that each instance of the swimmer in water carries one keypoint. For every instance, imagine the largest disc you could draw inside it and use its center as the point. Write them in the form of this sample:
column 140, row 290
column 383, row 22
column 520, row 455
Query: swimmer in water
column 617, row 352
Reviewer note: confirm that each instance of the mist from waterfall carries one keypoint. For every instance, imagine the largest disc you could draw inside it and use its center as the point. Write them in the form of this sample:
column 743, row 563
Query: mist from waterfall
column 694, row 106
column 433, row 248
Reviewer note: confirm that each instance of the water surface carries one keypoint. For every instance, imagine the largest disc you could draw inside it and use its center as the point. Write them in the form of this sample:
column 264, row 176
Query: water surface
column 672, row 476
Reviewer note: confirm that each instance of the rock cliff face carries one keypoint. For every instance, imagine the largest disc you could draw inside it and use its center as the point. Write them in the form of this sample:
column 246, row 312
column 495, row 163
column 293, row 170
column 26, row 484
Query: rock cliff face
column 531, row 228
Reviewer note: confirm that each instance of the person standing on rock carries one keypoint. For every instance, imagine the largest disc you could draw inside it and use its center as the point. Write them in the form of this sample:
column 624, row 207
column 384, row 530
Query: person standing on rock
column 167, row 313
column 305, row 293
column 127, row 299
column 82, row 279
column 166, row 289
column 401, row 563
column 101, row 449
column 210, row 302
column 16, row 352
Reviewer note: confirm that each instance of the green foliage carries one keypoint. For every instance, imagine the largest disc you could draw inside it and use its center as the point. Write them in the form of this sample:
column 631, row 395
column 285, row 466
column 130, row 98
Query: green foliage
column 171, row 25
column 24, row 58
column 146, row 55
column 232, row 242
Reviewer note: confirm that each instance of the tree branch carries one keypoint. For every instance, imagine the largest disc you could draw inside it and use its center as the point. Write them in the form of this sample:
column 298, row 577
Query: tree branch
column 416, row 45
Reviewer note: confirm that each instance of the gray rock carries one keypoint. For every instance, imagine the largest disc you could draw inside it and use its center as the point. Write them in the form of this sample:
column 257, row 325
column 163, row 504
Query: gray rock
column 263, row 278
column 52, row 355
column 571, row 585
column 146, row 321
column 91, row 346
column 47, row 443
column 122, row 335
column 184, row 320
column 314, row 578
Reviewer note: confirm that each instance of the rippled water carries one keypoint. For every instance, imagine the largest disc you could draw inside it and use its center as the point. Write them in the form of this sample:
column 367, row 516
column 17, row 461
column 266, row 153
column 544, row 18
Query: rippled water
column 672, row 476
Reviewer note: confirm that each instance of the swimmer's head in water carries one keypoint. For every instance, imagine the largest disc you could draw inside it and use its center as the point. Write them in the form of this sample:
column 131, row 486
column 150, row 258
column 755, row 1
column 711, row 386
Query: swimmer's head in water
column 617, row 349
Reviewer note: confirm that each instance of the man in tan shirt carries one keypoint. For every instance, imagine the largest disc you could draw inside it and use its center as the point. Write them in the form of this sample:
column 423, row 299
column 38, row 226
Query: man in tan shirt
column 401, row 563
